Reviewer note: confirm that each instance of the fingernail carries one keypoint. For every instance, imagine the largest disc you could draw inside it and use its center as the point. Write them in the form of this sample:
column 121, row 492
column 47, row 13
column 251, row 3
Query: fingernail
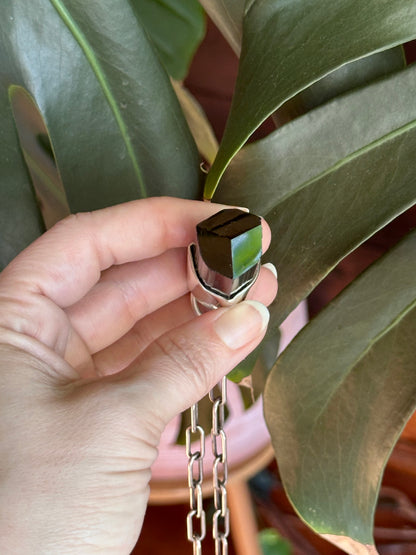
column 271, row 267
column 242, row 323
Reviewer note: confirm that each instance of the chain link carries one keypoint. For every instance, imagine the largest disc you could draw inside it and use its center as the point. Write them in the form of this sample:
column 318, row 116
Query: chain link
column 195, row 478
column 221, row 516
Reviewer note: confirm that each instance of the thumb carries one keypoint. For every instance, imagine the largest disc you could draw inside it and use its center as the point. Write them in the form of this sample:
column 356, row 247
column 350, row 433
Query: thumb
column 180, row 367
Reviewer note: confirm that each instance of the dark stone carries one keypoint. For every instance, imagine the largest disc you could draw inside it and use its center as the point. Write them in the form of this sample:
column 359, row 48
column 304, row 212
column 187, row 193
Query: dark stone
column 230, row 241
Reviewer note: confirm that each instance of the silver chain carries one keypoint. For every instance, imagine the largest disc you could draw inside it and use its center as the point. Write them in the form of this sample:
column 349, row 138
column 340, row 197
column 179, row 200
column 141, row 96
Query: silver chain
column 195, row 478
column 221, row 516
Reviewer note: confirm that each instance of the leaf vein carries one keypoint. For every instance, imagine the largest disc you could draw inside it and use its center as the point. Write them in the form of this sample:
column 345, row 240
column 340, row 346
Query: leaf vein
column 106, row 88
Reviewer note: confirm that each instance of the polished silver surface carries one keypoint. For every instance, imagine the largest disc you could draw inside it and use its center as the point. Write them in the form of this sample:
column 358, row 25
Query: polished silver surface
column 210, row 290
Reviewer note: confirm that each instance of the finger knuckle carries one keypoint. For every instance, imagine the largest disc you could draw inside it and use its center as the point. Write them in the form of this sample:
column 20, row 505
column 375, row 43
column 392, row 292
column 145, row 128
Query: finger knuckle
column 198, row 362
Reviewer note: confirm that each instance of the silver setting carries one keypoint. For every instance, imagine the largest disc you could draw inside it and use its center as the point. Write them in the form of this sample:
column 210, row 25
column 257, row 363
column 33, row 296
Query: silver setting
column 211, row 290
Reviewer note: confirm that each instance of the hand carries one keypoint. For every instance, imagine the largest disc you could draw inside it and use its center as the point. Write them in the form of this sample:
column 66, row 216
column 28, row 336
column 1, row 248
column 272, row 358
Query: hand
column 99, row 349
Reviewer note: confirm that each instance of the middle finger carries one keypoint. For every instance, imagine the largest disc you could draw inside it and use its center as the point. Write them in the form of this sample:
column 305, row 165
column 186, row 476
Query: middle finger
column 125, row 294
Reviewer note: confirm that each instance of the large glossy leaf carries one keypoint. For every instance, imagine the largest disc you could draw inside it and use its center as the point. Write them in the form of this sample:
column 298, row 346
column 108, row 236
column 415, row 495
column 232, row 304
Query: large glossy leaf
column 346, row 78
column 353, row 75
column 93, row 74
column 284, row 52
column 175, row 27
column 328, row 180
column 340, row 394
column 228, row 17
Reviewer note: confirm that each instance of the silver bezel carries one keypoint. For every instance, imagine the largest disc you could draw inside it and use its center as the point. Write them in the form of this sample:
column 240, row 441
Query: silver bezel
column 204, row 296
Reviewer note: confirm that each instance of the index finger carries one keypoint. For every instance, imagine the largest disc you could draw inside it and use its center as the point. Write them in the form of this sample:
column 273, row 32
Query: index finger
column 65, row 262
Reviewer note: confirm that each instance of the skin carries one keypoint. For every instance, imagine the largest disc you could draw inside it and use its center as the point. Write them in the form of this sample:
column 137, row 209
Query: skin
column 99, row 350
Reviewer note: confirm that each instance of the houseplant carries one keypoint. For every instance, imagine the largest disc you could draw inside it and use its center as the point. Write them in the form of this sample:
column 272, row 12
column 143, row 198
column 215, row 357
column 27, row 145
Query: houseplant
column 99, row 123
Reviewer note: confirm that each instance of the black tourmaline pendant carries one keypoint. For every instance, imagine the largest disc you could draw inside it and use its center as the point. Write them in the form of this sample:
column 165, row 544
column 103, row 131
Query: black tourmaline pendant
column 226, row 260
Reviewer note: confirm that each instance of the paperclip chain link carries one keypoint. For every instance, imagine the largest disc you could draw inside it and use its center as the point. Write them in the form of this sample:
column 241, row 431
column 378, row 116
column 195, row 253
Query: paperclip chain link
column 195, row 479
column 221, row 517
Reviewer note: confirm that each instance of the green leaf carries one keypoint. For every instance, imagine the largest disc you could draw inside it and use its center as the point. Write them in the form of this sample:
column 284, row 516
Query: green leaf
column 176, row 29
column 93, row 74
column 268, row 351
column 39, row 157
column 245, row 367
column 278, row 39
column 228, row 17
column 340, row 394
column 271, row 543
column 328, row 180
column 257, row 364
column 346, row 78
column 353, row 75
